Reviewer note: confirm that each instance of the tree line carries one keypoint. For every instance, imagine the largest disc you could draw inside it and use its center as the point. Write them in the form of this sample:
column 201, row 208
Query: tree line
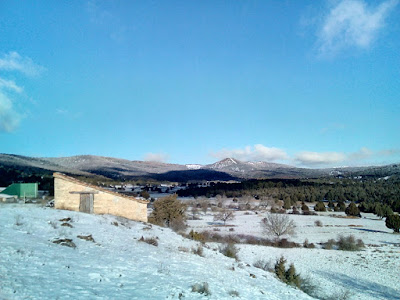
column 367, row 191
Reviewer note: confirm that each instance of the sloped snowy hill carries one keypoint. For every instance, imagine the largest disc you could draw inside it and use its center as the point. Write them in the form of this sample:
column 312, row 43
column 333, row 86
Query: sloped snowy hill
column 117, row 265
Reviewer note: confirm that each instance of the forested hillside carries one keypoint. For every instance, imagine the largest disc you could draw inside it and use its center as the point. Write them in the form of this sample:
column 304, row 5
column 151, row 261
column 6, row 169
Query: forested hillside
column 381, row 190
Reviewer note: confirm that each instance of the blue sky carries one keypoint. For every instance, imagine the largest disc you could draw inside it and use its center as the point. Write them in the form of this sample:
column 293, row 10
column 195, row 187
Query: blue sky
column 307, row 83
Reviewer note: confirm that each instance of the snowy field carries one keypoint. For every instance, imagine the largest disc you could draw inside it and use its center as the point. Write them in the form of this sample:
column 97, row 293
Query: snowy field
column 118, row 266
column 372, row 273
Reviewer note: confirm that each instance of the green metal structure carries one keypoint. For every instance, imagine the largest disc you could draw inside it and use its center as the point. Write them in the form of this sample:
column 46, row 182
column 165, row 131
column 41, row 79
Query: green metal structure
column 22, row 190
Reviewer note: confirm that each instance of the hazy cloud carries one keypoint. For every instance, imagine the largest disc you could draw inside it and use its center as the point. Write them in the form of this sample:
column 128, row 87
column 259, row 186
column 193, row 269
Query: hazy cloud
column 361, row 157
column 319, row 158
column 363, row 153
column 389, row 152
column 61, row 111
column 351, row 23
column 9, row 119
column 10, row 85
column 109, row 23
column 15, row 62
column 156, row 157
column 256, row 153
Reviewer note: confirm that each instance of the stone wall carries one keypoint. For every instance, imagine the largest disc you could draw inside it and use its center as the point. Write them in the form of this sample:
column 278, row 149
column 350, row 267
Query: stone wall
column 105, row 202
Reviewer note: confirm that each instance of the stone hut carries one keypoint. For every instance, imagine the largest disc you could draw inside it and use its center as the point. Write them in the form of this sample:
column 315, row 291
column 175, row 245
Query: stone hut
column 73, row 194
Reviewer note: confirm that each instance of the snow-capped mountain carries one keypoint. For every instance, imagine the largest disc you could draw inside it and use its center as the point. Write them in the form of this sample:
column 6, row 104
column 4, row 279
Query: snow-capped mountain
column 235, row 166
column 122, row 169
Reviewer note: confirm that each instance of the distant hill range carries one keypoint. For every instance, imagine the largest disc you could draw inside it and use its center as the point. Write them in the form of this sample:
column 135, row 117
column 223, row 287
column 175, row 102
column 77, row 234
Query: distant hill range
column 226, row 169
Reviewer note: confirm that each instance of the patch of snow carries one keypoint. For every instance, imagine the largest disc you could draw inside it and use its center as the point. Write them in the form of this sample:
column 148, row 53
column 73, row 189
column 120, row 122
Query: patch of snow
column 193, row 166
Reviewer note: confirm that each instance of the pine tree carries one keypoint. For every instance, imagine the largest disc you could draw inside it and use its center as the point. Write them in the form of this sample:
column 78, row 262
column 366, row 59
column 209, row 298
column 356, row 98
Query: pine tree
column 342, row 206
column 291, row 276
column 168, row 212
column 352, row 210
column 320, row 206
column 304, row 207
column 280, row 270
column 393, row 222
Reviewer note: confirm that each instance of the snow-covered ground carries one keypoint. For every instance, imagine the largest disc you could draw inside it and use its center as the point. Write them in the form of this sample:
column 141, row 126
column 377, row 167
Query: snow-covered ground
column 116, row 265
column 372, row 273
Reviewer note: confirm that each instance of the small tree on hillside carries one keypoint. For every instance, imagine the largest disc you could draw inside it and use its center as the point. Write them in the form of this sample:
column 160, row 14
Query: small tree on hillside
column 393, row 222
column 169, row 212
column 320, row 206
column 342, row 206
column 304, row 207
column 145, row 194
column 352, row 210
column 387, row 211
column 224, row 215
column 278, row 225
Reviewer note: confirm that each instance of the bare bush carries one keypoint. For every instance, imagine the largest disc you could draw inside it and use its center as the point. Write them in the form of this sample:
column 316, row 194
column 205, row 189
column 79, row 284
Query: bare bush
column 329, row 244
column 229, row 250
column 201, row 288
column 318, row 223
column 263, row 265
column 224, row 215
column 349, row 243
column 307, row 244
column 278, row 225
column 198, row 251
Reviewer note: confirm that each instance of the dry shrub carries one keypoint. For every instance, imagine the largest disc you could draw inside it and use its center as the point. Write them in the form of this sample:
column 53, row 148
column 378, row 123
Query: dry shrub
column 151, row 241
column 285, row 243
column 201, row 288
column 263, row 265
column 233, row 293
column 214, row 237
column 349, row 243
column 229, row 250
column 309, row 213
column 65, row 242
column 318, row 223
column 329, row 244
column 86, row 238
column 306, row 244
column 197, row 236
column 345, row 243
column 198, row 251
